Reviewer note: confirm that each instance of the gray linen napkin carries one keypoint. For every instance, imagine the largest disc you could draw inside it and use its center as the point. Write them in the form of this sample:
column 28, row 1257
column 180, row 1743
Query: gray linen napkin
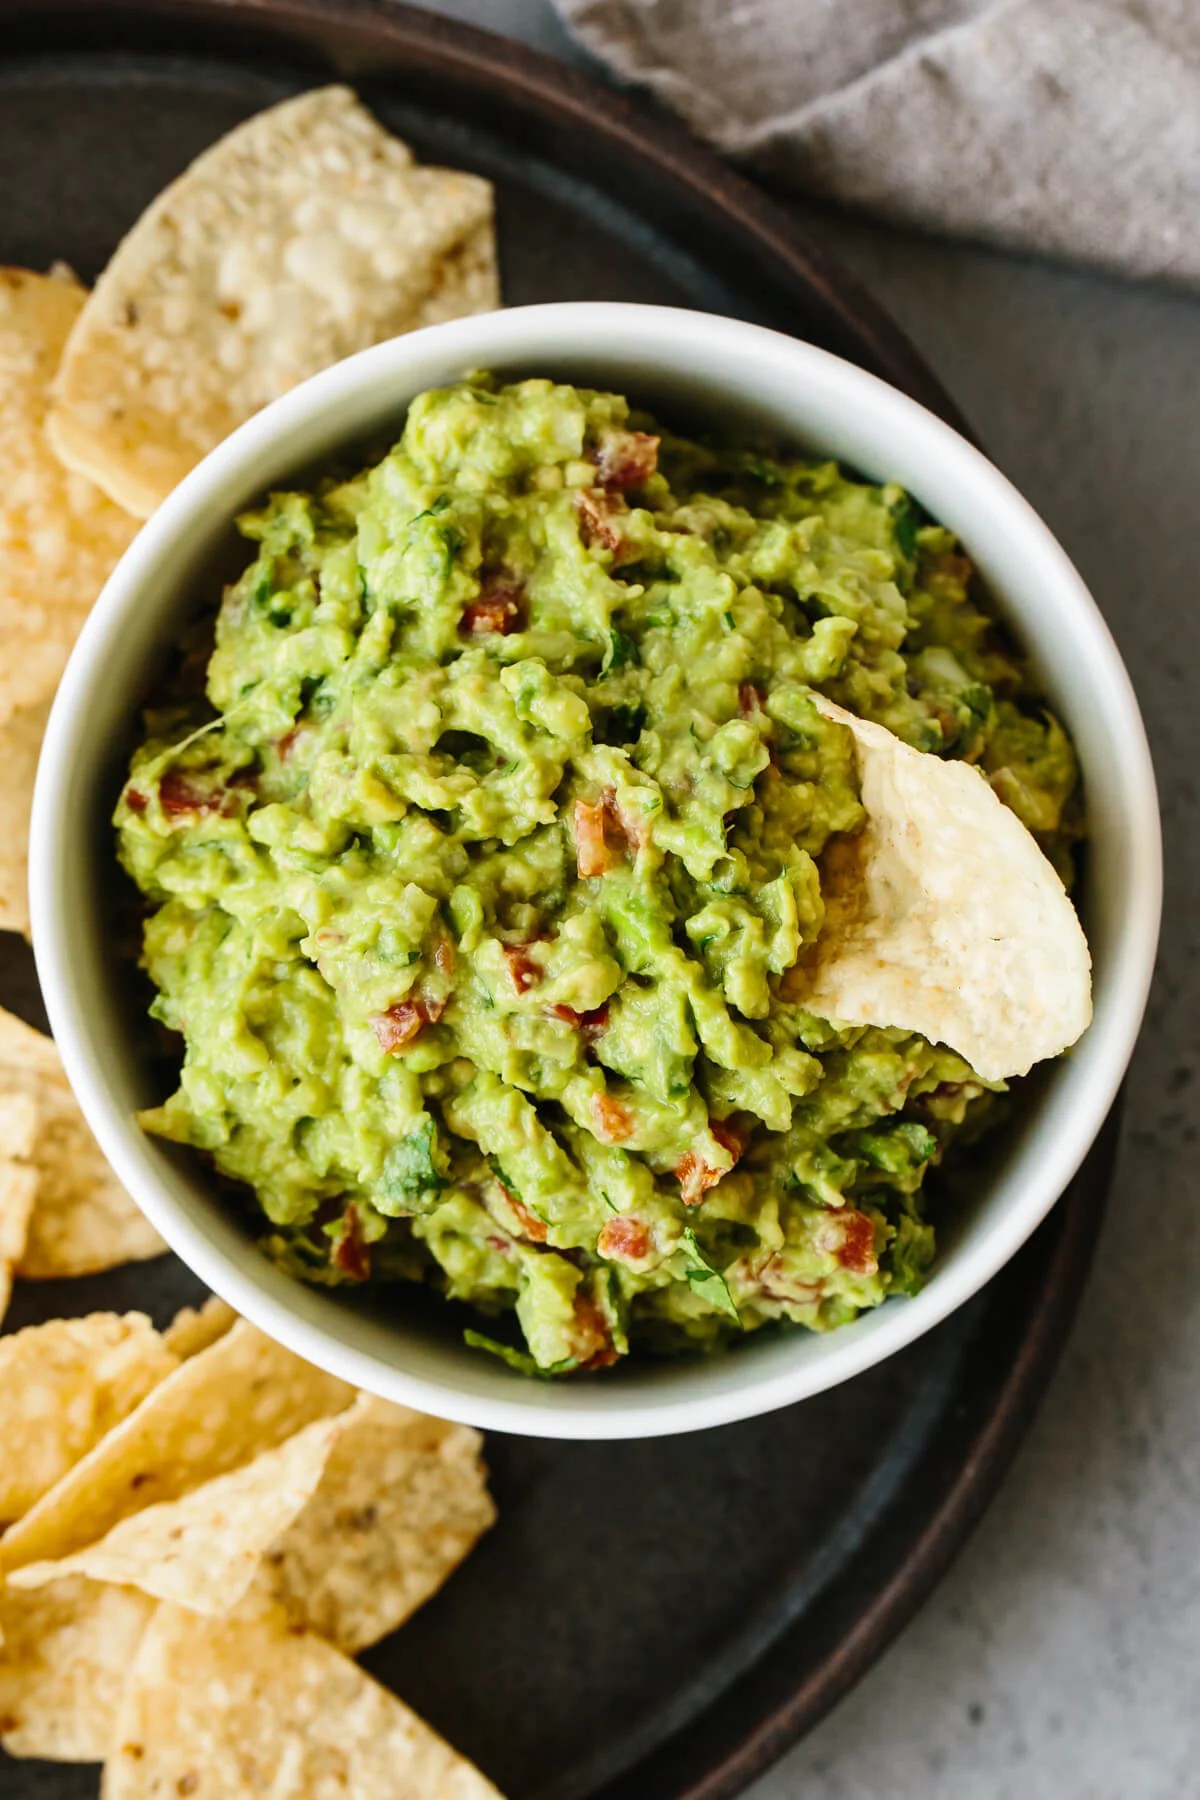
column 1069, row 127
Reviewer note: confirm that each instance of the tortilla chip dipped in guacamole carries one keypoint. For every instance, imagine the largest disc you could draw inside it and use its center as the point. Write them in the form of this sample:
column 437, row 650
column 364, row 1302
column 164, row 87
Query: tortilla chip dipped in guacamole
column 489, row 836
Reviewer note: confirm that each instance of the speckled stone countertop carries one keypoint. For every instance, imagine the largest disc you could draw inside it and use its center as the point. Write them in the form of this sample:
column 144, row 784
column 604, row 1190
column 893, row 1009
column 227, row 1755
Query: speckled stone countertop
column 1058, row 1660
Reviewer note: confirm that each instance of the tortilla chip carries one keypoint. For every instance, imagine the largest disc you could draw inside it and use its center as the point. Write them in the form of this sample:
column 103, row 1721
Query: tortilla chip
column 238, row 1709
column 59, row 536
column 466, row 280
column 18, row 1125
column 20, row 744
column 241, row 1396
column 18, row 1183
column 64, row 1660
column 63, row 1385
column 351, row 1524
column 943, row 917
column 205, row 1549
column 18, row 1190
column 193, row 1330
column 83, row 1220
column 305, row 234
column 402, row 1500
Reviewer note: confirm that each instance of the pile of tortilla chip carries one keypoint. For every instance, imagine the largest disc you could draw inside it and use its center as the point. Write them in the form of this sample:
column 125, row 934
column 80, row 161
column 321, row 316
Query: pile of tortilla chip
column 198, row 1530
column 199, row 1533
column 307, row 233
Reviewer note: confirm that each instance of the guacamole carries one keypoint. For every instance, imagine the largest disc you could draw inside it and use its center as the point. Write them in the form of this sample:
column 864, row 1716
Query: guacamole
column 480, row 834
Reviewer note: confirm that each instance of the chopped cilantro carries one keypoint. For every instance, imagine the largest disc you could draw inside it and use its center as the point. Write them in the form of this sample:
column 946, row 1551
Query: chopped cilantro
column 411, row 1170
column 705, row 1280
column 621, row 651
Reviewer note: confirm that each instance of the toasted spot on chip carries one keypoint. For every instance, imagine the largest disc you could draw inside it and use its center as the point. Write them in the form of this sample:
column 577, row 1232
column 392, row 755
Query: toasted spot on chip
column 223, row 1406
column 944, row 917
column 83, row 1221
column 65, row 1655
column 63, row 1385
column 20, row 743
column 59, row 535
column 400, row 1503
column 305, row 234
column 194, row 1328
column 233, row 1709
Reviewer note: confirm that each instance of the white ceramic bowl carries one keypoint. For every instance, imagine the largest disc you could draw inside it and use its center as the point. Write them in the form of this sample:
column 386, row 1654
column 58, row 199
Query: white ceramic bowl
column 733, row 376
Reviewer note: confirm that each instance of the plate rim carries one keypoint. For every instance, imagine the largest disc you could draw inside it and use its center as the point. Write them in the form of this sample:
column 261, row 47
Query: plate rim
column 745, row 1733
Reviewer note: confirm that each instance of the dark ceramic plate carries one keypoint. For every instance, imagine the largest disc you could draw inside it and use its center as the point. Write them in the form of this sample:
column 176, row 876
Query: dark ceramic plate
column 654, row 1619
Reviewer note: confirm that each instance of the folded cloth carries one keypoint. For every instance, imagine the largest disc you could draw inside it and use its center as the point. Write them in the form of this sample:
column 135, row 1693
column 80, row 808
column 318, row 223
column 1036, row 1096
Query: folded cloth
column 1068, row 127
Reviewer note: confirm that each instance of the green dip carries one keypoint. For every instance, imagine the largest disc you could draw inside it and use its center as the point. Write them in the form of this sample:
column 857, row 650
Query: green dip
column 476, row 869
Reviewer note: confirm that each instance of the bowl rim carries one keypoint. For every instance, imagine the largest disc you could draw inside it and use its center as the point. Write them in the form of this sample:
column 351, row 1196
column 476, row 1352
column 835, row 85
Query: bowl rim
column 608, row 327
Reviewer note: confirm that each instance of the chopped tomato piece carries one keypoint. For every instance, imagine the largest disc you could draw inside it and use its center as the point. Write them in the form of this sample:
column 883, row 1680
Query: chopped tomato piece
column 750, row 699
column 591, row 1341
column 532, row 1228
column 595, row 854
column 615, row 1121
column 625, row 1239
column 728, row 1137
column 695, row 1175
column 432, row 1007
column 499, row 609
column 625, row 459
column 856, row 1251
column 695, row 1178
column 178, row 796
column 521, row 967
column 135, row 800
column 591, row 1024
column 399, row 1025
column 350, row 1254
column 598, row 515
column 603, row 832
column 287, row 743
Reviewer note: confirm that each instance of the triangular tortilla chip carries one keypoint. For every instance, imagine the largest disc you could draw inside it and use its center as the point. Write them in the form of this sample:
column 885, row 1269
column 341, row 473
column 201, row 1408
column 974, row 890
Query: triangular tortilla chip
column 352, row 1524
column 305, row 234
column 65, row 1656
column 205, row 1549
column 235, row 1709
column 59, row 535
column 944, row 917
column 63, row 1385
column 194, row 1328
column 20, row 745
column 83, row 1220
column 242, row 1395
column 402, row 1500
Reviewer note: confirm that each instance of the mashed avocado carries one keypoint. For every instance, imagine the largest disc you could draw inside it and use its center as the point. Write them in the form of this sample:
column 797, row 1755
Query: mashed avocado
column 479, row 846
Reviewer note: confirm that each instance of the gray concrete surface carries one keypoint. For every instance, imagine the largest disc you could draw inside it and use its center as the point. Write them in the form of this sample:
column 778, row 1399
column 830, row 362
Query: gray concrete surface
column 1060, row 1659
